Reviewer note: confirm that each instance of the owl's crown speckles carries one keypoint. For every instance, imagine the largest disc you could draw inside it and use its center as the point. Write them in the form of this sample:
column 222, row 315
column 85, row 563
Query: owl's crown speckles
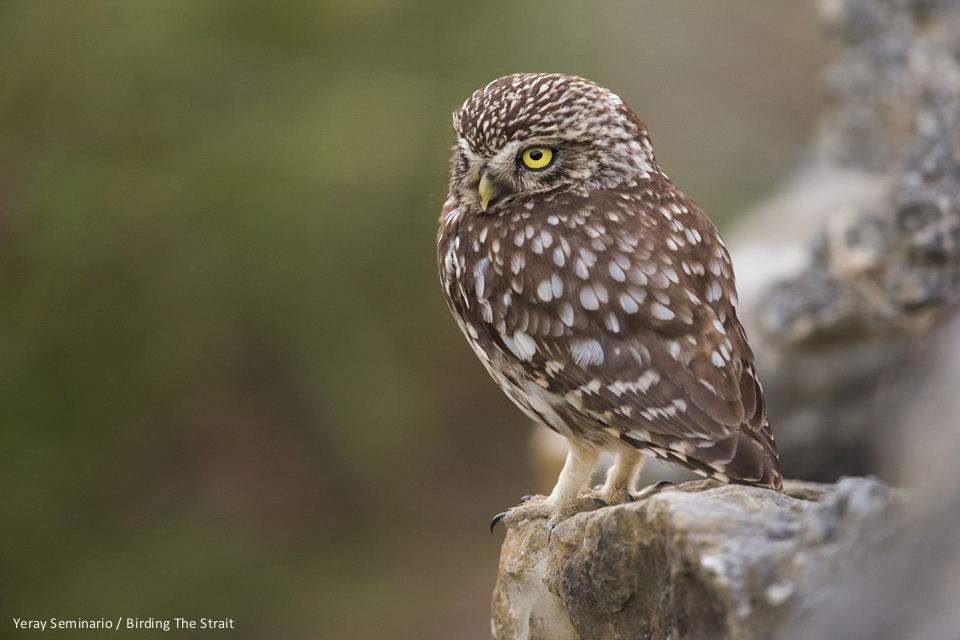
column 541, row 104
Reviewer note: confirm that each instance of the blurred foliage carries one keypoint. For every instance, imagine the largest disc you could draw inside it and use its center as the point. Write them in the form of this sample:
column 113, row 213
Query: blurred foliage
column 229, row 385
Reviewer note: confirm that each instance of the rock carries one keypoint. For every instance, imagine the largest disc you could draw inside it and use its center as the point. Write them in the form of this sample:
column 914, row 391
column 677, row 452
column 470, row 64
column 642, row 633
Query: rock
column 700, row 560
column 911, row 591
column 879, row 201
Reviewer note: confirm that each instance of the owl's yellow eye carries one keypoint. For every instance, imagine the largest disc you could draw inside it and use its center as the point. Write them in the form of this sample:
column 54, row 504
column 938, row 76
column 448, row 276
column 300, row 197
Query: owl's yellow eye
column 537, row 157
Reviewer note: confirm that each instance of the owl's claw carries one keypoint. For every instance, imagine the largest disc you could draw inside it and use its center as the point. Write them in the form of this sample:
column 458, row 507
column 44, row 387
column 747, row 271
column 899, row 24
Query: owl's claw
column 527, row 498
column 497, row 518
column 652, row 490
column 599, row 502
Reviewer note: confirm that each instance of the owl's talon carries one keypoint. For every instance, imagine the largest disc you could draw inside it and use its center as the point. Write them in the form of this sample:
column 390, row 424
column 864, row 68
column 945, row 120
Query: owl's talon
column 550, row 533
column 497, row 518
column 527, row 498
column 653, row 490
column 599, row 502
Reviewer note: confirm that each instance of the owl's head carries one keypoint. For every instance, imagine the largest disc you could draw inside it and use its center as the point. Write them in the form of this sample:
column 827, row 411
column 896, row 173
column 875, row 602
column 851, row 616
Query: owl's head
column 535, row 133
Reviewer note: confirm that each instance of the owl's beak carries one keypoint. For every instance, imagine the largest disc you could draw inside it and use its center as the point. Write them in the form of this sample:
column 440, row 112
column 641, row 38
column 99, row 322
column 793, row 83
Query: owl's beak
column 488, row 189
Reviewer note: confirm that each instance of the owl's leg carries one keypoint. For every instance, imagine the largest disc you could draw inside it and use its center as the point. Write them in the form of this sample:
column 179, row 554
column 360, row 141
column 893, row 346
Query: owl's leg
column 622, row 475
column 566, row 499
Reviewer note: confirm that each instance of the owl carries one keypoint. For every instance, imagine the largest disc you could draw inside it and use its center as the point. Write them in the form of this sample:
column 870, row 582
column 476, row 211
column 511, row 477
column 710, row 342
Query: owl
column 596, row 294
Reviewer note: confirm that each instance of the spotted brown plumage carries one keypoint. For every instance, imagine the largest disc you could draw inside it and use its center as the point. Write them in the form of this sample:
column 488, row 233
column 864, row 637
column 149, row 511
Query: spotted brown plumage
column 596, row 294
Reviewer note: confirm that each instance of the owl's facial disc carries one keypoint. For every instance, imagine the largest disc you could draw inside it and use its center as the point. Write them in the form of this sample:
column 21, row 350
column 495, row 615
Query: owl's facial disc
column 520, row 167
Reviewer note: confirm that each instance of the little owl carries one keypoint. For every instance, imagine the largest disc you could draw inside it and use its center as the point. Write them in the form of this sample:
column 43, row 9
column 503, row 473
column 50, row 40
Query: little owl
column 597, row 295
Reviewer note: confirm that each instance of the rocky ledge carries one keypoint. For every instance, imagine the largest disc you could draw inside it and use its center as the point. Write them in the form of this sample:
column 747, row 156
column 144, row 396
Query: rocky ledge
column 699, row 560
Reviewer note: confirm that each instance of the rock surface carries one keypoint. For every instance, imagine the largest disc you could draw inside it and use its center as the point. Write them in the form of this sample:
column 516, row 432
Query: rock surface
column 839, row 311
column 912, row 590
column 700, row 560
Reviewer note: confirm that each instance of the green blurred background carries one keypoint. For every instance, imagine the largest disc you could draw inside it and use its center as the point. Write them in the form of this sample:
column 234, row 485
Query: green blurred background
column 229, row 384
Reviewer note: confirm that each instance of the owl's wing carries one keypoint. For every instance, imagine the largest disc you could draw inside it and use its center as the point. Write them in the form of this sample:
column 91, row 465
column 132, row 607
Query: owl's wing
column 703, row 414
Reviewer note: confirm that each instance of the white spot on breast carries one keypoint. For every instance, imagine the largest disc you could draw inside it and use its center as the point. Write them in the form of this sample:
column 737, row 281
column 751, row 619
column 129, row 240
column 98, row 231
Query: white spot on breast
column 717, row 359
column 719, row 327
column 659, row 280
column 612, row 323
column 486, row 312
column 546, row 239
column 517, row 262
column 545, row 291
column 536, row 246
column 586, row 352
column 616, row 272
column 566, row 314
column 674, row 348
column 580, row 268
column 628, row 303
column 518, row 239
column 521, row 345
column 601, row 291
column 528, row 205
column 530, row 231
column 557, row 284
column 450, row 262
column 649, row 267
column 661, row 312
column 479, row 271
column 558, row 257
column 714, row 292
column 553, row 220
column 483, row 234
column 637, row 276
column 588, row 298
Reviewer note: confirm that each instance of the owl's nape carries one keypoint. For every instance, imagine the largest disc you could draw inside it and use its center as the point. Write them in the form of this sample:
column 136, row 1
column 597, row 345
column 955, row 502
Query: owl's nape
column 596, row 294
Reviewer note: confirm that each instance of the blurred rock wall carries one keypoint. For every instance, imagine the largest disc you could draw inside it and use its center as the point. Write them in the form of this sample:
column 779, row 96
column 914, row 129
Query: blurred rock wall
column 845, row 273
